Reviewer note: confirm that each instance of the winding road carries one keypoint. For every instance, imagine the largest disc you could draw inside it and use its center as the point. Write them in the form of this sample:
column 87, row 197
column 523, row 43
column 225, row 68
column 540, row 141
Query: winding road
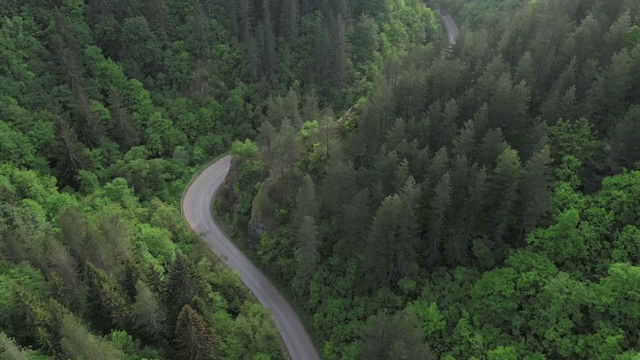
column 452, row 28
column 449, row 24
column 196, row 207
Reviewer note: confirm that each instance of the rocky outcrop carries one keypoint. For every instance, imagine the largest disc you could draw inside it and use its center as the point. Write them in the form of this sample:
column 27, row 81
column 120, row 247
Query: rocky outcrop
column 226, row 197
column 262, row 211
column 255, row 230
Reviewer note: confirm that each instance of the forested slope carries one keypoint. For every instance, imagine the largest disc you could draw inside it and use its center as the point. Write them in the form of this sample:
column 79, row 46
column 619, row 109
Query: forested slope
column 107, row 108
column 481, row 202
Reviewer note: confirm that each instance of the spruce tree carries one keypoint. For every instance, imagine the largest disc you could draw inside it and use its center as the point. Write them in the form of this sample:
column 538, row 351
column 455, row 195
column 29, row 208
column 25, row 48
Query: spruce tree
column 185, row 282
column 72, row 154
column 439, row 219
column 289, row 21
column 339, row 52
column 244, row 19
column 149, row 317
column 269, row 55
column 194, row 339
column 536, row 190
column 107, row 304
column 503, row 187
column 307, row 256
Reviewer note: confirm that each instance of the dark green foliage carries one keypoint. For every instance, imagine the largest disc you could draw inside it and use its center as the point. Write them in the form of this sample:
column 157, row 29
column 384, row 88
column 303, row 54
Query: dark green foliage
column 482, row 187
column 394, row 337
column 194, row 339
column 474, row 201
column 107, row 304
column 183, row 284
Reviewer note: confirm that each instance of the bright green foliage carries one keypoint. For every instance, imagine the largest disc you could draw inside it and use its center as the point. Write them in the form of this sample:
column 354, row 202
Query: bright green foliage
column 245, row 150
column 573, row 138
column 253, row 333
column 308, row 128
column 157, row 241
column 514, row 235
column 567, row 240
column 503, row 353
column 429, row 317
column 9, row 350
column 77, row 342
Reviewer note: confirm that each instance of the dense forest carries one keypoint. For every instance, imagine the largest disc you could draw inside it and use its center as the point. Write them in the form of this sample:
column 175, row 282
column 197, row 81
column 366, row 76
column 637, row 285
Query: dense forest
column 107, row 110
column 480, row 201
column 415, row 199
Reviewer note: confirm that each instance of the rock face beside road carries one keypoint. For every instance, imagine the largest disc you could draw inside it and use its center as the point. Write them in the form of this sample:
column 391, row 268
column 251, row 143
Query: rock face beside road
column 196, row 206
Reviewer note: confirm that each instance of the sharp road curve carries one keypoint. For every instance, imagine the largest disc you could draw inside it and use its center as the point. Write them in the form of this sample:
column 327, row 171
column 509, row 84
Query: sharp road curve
column 196, row 207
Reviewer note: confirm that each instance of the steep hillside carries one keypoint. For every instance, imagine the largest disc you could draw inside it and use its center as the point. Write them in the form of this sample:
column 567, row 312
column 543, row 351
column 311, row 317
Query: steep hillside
column 480, row 205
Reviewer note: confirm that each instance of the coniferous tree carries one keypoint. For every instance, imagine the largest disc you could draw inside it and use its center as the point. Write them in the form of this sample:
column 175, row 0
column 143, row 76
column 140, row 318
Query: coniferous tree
column 339, row 52
column 132, row 275
column 439, row 165
column 267, row 135
column 465, row 143
column 184, row 283
column 154, row 277
column 307, row 252
column 244, row 18
column 157, row 12
column 148, row 316
column 535, row 190
column 194, row 339
column 625, row 139
column 605, row 99
column 321, row 51
column 269, row 55
column 201, row 26
column 289, row 21
column 354, row 224
column 253, row 55
column 232, row 8
column 64, row 266
column 78, row 343
column 394, row 337
column 456, row 246
column 10, row 350
column 73, row 155
column 287, row 147
column 439, row 218
column 124, row 129
column 503, row 185
column 90, row 127
column 390, row 249
column 107, row 304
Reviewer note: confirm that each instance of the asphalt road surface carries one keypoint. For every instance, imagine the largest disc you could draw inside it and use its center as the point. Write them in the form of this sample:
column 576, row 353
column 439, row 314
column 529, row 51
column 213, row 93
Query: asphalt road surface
column 196, row 206
column 452, row 28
